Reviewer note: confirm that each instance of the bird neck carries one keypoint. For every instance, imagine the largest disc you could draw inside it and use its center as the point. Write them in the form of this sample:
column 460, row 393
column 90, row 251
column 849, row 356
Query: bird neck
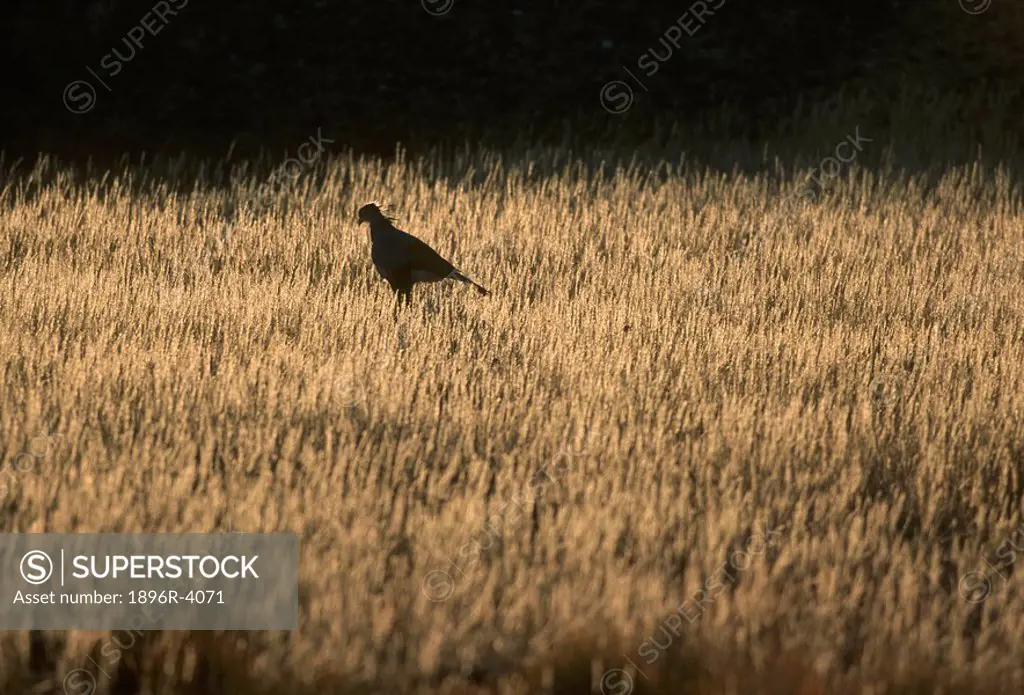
column 381, row 229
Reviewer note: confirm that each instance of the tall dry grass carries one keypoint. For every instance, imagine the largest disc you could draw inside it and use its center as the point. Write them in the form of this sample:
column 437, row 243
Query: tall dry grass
column 695, row 358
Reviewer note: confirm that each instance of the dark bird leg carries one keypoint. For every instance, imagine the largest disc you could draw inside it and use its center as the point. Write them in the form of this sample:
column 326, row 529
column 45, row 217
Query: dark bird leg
column 401, row 282
column 403, row 297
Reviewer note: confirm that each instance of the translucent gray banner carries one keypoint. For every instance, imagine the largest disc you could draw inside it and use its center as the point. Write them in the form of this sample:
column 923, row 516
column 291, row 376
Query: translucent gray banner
column 120, row 581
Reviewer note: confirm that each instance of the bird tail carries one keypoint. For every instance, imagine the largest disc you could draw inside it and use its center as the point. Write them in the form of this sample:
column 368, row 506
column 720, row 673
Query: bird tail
column 479, row 288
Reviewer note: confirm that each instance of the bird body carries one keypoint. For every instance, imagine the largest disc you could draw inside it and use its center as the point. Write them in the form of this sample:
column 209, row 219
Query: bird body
column 402, row 259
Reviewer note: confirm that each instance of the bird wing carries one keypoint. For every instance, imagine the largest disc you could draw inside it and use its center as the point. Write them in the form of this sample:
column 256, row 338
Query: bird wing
column 425, row 260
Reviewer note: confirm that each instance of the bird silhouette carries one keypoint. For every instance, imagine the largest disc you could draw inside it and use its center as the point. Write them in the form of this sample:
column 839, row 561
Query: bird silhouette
column 402, row 259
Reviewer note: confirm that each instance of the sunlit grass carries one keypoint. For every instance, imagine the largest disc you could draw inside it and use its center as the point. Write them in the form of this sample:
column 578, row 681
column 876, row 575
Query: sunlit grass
column 695, row 357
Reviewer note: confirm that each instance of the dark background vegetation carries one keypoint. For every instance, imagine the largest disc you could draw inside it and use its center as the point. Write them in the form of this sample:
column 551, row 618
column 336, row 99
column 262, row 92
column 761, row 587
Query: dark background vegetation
column 266, row 75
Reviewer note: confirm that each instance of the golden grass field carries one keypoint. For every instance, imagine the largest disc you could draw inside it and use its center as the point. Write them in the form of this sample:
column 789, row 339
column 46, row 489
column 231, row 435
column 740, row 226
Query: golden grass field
column 799, row 423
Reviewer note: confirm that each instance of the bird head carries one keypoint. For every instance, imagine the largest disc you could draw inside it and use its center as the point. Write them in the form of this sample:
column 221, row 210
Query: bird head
column 371, row 213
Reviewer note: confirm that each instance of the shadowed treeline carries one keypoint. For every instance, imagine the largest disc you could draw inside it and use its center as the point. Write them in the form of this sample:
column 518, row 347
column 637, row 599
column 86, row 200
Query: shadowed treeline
column 264, row 76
